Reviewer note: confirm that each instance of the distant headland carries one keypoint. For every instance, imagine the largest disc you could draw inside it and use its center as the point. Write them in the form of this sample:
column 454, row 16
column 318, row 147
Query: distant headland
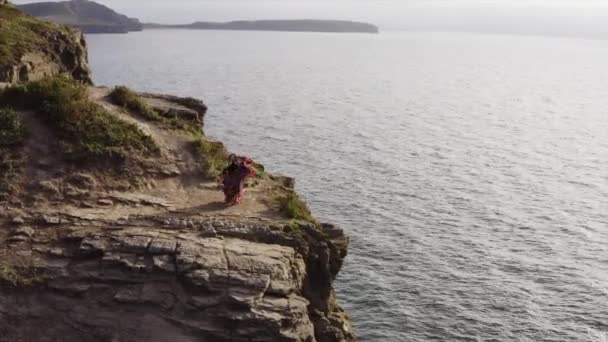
column 87, row 16
column 305, row 25
column 91, row 17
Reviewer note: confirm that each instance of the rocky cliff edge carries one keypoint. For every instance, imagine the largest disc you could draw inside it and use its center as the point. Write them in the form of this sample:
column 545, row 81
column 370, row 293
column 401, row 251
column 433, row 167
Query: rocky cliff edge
column 31, row 49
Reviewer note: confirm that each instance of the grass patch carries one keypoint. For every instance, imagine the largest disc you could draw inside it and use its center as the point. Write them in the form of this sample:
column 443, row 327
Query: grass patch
column 21, row 33
column 294, row 231
column 213, row 155
column 12, row 129
column 86, row 130
column 128, row 99
column 12, row 136
column 294, row 207
column 18, row 271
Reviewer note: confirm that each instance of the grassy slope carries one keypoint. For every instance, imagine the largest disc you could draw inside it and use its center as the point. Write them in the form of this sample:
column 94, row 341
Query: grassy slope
column 85, row 128
column 20, row 33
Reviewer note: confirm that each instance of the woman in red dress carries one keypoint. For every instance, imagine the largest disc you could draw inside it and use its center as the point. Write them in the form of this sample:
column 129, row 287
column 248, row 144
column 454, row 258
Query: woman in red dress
column 234, row 177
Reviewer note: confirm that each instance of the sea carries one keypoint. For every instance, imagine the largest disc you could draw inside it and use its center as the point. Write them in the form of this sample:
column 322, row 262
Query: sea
column 470, row 170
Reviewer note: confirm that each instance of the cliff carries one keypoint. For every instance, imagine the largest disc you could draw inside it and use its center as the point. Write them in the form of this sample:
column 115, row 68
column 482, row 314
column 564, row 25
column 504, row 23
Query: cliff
column 31, row 49
column 336, row 26
column 88, row 16
column 112, row 228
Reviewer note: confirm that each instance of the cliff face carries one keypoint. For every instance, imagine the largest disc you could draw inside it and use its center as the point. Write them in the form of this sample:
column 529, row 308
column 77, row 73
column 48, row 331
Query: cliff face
column 32, row 49
column 113, row 227
column 151, row 279
column 88, row 255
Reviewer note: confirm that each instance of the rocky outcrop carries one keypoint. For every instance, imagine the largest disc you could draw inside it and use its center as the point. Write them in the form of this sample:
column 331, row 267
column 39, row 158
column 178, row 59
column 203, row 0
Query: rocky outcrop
column 35, row 49
column 85, row 256
column 170, row 106
column 170, row 279
column 66, row 53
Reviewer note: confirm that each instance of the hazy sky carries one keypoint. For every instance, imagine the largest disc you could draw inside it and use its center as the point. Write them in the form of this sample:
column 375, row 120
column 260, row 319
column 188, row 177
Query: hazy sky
column 560, row 17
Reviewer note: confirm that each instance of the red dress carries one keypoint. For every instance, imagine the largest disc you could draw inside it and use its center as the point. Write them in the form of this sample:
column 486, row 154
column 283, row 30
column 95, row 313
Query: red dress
column 234, row 181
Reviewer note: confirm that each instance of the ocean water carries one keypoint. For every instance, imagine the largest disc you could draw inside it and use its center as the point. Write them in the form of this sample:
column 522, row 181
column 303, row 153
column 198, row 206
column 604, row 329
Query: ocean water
column 470, row 170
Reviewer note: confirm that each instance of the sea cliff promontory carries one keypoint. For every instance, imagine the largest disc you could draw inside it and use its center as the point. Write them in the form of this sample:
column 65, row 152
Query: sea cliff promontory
column 87, row 16
column 112, row 226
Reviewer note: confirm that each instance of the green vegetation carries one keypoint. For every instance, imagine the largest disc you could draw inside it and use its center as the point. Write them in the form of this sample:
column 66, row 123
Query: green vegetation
column 12, row 130
column 260, row 170
column 20, row 33
column 128, row 99
column 293, row 230
column 12, row 135
column 292, row 205
column 213, row 155
column 18, row 271
column 85, row 128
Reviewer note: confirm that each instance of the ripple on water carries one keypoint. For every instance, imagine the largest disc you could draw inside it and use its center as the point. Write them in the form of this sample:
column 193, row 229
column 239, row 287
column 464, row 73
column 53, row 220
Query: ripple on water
column 473, row 187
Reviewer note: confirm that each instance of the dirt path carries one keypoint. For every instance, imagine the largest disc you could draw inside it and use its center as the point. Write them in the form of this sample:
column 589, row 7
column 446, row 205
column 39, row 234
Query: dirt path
column 182, row 190
column 189, row 191
column 42, row 159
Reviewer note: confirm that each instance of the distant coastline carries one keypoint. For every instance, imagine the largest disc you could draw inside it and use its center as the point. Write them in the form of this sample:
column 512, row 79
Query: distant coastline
column 92, row 17
column 306, row 25
column 87, row 16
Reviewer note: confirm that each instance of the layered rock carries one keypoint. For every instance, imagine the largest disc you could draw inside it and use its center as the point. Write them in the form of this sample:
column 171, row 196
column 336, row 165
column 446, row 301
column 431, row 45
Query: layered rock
column 170, row 279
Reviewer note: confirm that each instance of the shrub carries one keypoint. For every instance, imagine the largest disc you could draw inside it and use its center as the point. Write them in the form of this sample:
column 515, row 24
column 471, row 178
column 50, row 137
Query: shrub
column 126, row 98
column 213, row 156
column 11, row 168
column 293, row 207
column 12, row 130
column 12, row 136
column 85, row 128
column 18, row 272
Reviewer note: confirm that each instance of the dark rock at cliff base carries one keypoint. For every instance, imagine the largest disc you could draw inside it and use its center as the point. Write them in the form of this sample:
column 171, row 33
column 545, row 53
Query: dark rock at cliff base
column 307, row 25
column 88, row 16
column 31, row 49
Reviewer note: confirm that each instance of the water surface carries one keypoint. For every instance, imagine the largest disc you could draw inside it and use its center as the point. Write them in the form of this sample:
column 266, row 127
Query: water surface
column 470, row 170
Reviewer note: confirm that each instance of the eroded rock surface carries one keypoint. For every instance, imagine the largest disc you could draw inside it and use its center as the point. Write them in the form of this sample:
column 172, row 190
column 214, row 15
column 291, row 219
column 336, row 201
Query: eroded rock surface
column 156, row 279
